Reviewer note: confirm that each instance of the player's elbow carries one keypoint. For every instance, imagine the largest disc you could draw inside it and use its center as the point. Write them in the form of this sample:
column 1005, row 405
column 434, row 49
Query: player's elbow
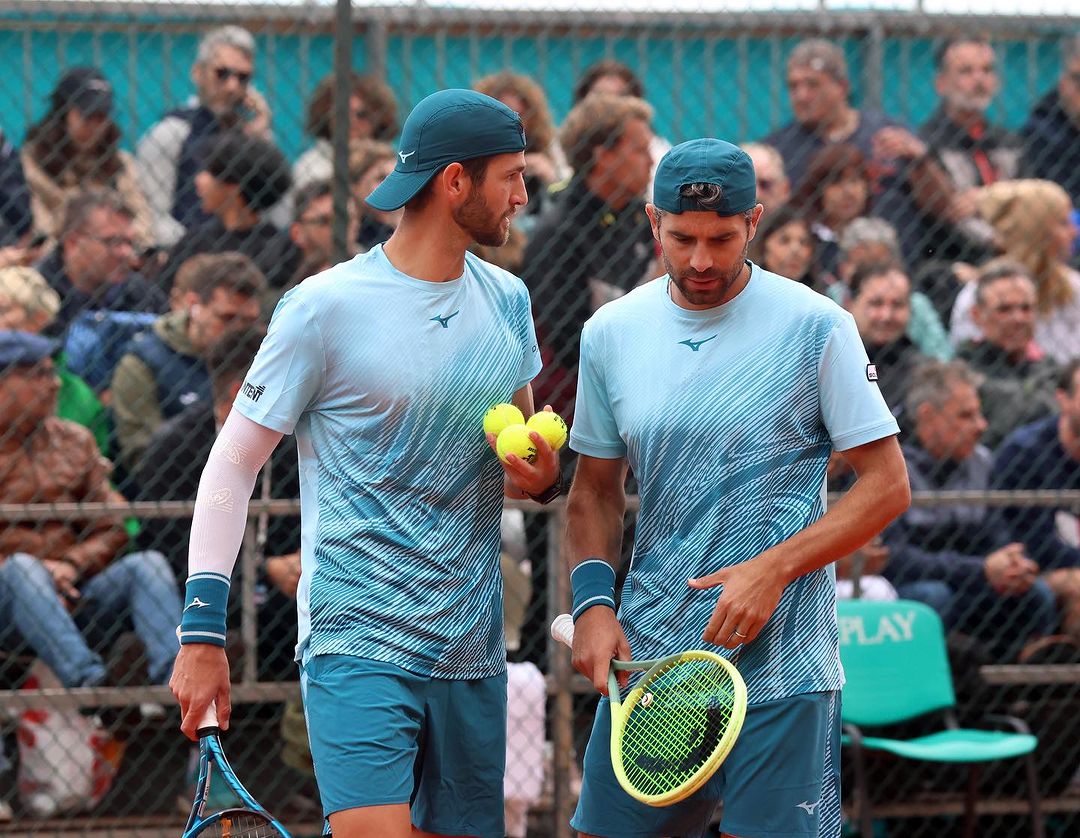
column 898, row 498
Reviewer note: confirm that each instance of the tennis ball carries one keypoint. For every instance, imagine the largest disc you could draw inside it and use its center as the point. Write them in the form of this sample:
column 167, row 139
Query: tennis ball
column 514, row 439
column 550, row 426
column 501, row 415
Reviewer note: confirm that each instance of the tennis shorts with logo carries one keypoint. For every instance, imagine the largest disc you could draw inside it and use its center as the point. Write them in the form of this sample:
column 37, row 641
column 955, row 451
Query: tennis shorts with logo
column 382, row 735
column 781, row 779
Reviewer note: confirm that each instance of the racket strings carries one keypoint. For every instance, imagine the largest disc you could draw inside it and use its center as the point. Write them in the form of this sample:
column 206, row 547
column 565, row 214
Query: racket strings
column 240, row 825
column 672, row 732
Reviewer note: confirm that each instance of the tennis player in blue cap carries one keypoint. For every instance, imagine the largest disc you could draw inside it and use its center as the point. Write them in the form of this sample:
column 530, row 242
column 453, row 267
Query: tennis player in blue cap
column 725, row 388
column 383, row 367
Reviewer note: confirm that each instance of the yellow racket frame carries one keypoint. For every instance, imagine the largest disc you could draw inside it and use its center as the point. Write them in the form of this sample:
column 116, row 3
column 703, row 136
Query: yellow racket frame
column 620, row 712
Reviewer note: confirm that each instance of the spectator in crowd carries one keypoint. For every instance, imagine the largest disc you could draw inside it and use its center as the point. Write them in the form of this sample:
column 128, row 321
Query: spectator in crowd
column 834, row 192
column 171, row 152
column 972, row 150
column 1052, row 132
column 1032, row 225
column 784, row 245
column 90, row 267
column 1045, row 455
column 881, row 305
column 373, row 115
column 28, row 304
column 906, row 180
column 872, row 241
column 170, row 467
column 76, row 146
column 312, row 230
column 50, row 568
column 615, row 78
column 1017, row 385
column 164, row 370
column 594, row 242
column 242, row 177
column 773, row 186
column 16, row 218
column 545, row 163
column 369, row 164
column 959, row 559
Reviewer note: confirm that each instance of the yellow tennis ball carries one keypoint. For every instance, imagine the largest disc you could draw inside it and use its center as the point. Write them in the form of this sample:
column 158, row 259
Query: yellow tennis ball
column 514, row 439
column 501, row 415
column 550, row 426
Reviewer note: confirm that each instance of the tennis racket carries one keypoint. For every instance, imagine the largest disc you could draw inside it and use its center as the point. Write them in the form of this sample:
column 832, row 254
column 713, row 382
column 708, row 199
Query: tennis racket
column 250, row 819
column 676, row 726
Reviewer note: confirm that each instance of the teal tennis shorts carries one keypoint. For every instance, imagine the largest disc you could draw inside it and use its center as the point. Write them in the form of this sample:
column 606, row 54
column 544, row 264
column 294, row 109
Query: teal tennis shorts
column 381, row 735
column 781, row 779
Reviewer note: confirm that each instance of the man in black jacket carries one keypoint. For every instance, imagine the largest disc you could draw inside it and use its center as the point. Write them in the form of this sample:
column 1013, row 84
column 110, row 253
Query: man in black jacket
column 594, row 242
column 1052, row 131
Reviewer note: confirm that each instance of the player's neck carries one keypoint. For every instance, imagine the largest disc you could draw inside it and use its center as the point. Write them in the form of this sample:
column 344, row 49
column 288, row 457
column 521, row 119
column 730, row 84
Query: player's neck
column 424, row 248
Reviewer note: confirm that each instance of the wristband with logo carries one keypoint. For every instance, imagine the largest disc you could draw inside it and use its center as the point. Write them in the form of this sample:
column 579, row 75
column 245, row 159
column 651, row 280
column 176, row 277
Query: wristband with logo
column 593, row 583
column 203, row 619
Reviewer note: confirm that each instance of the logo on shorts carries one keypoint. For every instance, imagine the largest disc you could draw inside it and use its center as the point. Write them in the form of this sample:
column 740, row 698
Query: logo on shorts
column 871, row 372
column 809, row 807
column 252, row 391
column 695, row 345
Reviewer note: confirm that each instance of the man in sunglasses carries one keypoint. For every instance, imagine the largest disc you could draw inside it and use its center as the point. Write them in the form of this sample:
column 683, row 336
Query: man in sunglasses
column 170, row 153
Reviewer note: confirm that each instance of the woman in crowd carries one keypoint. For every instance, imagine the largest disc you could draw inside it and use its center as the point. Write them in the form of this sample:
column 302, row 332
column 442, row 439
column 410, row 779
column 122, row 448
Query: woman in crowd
column 835, row 191
column 784, row 245
column 373, row 115
column 75, row 146
column 1032, row 225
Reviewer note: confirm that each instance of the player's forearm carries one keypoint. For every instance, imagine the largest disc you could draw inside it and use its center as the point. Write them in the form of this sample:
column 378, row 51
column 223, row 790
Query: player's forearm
column 872, row 503
column 594, row 524
column 219, row 522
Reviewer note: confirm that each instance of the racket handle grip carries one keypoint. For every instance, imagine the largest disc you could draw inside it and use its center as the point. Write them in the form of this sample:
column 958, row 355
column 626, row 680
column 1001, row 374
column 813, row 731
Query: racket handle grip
column 209, row 717
column 562, row 629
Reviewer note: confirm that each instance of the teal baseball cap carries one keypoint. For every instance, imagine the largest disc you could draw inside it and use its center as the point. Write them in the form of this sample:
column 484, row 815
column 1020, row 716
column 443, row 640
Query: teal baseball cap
column 446, row 127
column 705, row 161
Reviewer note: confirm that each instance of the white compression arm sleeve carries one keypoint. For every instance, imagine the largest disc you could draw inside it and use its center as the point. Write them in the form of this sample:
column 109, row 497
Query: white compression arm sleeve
column 221, row 506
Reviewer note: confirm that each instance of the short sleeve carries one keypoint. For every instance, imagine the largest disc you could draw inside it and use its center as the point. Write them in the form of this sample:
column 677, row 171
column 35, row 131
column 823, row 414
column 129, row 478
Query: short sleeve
column 852, row 407
column 530, row 357
column 595, row 432
column 288, row 370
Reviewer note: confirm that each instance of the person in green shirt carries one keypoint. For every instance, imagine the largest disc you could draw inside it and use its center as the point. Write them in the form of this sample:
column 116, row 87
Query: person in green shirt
column 29, row 304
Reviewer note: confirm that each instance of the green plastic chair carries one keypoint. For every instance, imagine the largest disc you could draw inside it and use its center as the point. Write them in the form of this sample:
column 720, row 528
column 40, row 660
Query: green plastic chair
column 897, row 669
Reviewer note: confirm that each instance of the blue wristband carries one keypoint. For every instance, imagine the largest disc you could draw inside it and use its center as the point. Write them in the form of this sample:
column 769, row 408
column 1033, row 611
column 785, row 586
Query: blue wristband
column 593, row 583
column 203, row 620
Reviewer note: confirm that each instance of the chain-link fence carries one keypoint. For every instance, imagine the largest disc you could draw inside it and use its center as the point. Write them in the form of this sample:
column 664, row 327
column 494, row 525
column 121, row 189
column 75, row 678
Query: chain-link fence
column 169, row 170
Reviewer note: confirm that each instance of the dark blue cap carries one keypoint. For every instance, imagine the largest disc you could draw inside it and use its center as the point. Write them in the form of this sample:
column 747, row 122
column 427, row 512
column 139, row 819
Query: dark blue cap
column 86, row 89
column 706, row 161
column 24, row 348
column 446, row 127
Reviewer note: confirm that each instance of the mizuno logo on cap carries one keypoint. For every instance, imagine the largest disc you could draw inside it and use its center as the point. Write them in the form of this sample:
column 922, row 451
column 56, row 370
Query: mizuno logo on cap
column 403, row 155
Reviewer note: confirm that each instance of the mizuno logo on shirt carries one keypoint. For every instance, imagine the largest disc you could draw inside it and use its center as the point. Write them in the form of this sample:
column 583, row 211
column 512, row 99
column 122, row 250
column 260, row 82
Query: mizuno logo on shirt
column 444, row 321
column 808, row 806
column 197, row 603
column 695, row 344
column 253, row 392
column 403, row 155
